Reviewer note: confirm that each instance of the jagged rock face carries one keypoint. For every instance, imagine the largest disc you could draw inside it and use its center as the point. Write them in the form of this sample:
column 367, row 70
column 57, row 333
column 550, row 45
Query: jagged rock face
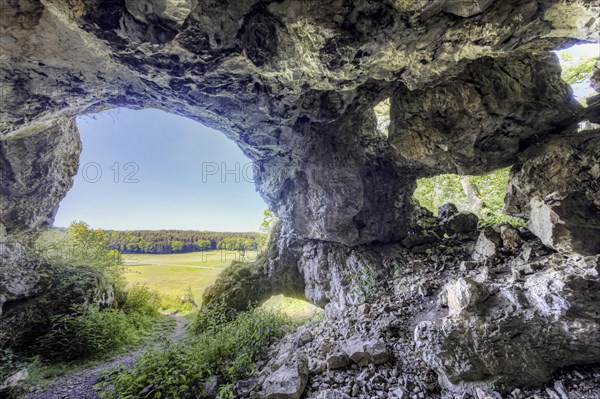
column 479, row 121
column 294, row 84
column 550, row 309
column 557, row 187
column 438, row 330
column 36, row 172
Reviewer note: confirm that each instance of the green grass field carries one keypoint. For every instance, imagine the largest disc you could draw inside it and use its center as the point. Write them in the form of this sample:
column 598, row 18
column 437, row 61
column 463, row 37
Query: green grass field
column 173, row 274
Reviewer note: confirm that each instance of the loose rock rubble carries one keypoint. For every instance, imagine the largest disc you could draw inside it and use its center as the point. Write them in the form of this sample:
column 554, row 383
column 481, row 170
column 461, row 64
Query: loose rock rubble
column 398, row 346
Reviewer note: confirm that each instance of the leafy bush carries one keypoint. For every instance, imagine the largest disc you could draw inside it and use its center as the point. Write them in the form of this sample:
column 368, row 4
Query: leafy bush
column 174, row 304
column 227, row 348
column 141, row 299
column 141, row 306
column 577, row 70
column 82, row 246
column 9, row 363
column 86, row 332
column 212, row 319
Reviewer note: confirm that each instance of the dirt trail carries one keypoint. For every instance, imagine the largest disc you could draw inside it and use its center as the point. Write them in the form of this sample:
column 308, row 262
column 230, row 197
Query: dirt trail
column 80, row 384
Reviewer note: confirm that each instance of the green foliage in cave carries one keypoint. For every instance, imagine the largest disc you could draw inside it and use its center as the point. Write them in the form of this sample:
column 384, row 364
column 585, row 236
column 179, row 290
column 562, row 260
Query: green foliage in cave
column 482, row 195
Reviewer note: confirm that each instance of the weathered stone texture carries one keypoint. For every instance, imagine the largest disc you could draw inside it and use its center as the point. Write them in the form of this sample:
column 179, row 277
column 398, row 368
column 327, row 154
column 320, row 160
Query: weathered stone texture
column 472, row 88
column 480, row 120
column 36, row 173
column 521, row 332
column 557, row 187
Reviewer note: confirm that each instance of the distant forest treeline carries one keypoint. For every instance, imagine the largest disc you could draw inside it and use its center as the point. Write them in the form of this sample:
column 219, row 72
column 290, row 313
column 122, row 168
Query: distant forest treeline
column 175, row 241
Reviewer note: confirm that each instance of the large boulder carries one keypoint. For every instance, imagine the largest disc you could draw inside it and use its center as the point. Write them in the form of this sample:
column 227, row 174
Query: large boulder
column 556, row 187
column 520, row 332
column 33, row 299
column 289, row 381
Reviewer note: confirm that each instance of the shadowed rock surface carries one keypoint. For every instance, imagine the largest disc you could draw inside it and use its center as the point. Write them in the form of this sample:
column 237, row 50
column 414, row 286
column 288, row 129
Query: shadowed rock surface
column 472, row 87
column 557, row 187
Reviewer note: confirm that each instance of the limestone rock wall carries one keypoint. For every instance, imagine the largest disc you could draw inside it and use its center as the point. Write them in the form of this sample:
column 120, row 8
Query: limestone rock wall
column 36, row 171
column 557, row 188
column 293, row 83
column 480, row 120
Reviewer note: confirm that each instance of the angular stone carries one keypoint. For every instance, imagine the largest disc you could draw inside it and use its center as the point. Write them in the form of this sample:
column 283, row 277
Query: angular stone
column 462, row 223
column 487, row 246
column 366, row 351
column 398, row 393
column 332, row 394
column 337, row 361
column 243, row 388
column 13, row 381
column 289, row 381
column 511, row 238
column 463, row 295
column 548, row 219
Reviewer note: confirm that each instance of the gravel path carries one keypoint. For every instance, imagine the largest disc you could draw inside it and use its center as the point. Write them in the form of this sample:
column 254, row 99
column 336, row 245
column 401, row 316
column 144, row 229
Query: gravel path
column 80, row 384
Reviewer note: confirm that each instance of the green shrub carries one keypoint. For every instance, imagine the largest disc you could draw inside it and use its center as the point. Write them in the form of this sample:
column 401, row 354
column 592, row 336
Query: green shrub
column 174, row 304
column 212, row 318
column 9, row 363
column 141, row 299
column 82, row 246
column 86, row 332
column 141, row 307
column 227, row 349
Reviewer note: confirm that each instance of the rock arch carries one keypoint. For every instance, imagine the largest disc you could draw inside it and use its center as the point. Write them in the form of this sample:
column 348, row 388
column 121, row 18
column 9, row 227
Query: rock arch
column 472, row 87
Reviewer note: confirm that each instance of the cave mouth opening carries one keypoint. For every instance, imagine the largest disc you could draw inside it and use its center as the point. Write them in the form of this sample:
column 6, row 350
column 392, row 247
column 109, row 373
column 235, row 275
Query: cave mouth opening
column 481, row 195
column 176, row 199
column 149, row 169
column 297, row 309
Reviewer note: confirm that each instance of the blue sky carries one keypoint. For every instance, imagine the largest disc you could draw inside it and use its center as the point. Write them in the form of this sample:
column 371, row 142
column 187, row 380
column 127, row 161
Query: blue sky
column 170, row 154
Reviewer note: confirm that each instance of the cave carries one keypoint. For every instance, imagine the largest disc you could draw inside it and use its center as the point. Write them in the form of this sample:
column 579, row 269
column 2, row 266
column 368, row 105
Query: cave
column 471, row 86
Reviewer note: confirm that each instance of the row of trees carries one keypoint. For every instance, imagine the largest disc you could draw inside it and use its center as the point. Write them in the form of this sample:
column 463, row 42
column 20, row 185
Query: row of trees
column 174, row 241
